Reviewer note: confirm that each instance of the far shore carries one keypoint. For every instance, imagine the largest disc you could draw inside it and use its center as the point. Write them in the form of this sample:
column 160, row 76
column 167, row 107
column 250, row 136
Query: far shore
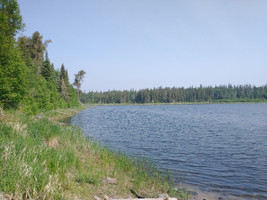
column 174, row 103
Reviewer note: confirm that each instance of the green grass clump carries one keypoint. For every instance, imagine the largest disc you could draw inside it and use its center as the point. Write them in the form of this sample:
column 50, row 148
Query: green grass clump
column 87, row 178
column 29, row 166
column 42, row 159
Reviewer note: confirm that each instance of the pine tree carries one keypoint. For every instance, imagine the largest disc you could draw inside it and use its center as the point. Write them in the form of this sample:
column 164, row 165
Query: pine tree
column 46, row 70
column 63, row 89
column 64, row 83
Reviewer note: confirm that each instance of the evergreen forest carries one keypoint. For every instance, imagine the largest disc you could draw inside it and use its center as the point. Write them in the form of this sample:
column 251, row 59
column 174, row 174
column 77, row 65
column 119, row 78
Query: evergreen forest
column 42, row 157
column 28, row 79
column 229, row 93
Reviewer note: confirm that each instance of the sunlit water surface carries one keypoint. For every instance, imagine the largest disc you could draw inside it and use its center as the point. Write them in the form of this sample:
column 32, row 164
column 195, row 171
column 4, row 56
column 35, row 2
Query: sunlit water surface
column 220, row 148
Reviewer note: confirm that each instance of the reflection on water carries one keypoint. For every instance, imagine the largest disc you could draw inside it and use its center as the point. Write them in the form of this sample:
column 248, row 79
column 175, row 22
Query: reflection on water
column 217, row 147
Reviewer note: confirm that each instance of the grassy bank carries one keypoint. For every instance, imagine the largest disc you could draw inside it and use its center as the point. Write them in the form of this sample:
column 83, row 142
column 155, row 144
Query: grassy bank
column 43, row 158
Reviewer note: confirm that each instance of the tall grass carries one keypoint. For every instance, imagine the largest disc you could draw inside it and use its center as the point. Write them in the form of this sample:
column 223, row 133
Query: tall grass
column 28, row 165
column 41, row 159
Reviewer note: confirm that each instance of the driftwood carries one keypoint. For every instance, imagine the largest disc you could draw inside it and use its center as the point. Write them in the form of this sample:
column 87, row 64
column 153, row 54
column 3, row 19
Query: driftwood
column 161, row 197
column 109, row 180
column 97, row 198
column 5, row 196
column 64, row 113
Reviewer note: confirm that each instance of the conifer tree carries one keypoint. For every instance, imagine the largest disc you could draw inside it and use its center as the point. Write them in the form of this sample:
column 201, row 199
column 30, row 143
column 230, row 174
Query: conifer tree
column 63, row 89
column 64, row 83
column 78, row 81
column 46, row 70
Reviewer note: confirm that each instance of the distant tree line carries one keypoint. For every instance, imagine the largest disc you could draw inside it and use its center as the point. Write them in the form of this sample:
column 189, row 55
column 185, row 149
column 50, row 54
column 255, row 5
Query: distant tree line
column 28, row 80
column 229, row 93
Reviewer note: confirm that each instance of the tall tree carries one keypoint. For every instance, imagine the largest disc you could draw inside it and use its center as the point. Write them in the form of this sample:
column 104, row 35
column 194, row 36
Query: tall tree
column 64, row 74
column 64, row 83
column 33, row 49
column 10, row 18
column 23, row 45
column 46, row 70
column 63, row 89
column 12, row 67
column 78, row 81
column 37, row 48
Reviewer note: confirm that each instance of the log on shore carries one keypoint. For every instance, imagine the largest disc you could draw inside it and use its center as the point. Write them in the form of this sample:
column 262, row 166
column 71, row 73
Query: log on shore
column 161, row 197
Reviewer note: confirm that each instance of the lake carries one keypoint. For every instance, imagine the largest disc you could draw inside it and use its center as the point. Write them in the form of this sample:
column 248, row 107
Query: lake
column 219, row 148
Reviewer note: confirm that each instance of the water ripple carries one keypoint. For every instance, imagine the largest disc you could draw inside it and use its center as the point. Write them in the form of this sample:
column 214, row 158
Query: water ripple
column 220, row 148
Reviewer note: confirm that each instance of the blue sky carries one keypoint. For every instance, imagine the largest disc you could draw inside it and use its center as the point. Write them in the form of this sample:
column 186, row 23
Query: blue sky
column 134, row 44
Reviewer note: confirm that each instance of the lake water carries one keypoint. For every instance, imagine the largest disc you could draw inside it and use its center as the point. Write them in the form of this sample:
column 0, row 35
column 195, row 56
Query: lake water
column 219, row 148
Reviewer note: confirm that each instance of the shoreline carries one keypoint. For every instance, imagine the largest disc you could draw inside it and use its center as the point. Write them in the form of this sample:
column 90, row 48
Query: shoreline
column 204, row 193
column 67, row 164
column 200, row 194
column 194, row 192
column 177, row 103
column 64, row 118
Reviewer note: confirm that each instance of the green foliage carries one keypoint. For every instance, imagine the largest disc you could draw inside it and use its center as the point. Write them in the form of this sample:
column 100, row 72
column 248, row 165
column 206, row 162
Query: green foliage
column 12, row 67
column 36, row 49
column 78, row 81
column 43, row 93
column 73, row 101
column 23, row 45
column 46, row 70
column 41, row 96
column 87, row 178
column 64, row 83
column 67, row 91
column 12, row 75
column 33, row 49
column 12, row 79
column 41, row 159
column 241, row 93
column 28, row 165
column 10, row 19
column 26, row 79
column 64, row 74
